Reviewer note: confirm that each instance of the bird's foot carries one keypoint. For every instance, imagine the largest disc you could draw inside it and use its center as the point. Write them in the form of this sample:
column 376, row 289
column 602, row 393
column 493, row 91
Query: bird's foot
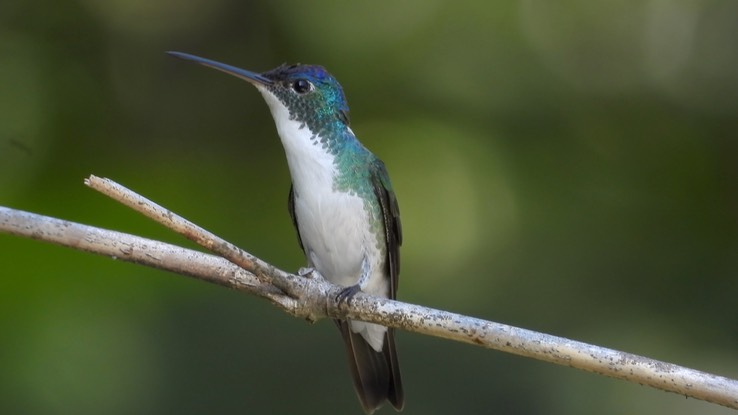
column 309, row 272
column 346, row 294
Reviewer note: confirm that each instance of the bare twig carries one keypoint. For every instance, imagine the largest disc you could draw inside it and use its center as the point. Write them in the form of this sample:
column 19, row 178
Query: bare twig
column 313, row 298
column 130, row 248
column 188, row 229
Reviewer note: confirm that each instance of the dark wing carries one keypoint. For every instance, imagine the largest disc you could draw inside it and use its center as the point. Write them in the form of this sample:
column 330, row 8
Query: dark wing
column 392, row 227
column 291, row 209
column 377, row 374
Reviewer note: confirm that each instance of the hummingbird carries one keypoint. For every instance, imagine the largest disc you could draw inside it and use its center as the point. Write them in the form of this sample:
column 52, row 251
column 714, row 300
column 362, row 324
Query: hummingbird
column 343, row 207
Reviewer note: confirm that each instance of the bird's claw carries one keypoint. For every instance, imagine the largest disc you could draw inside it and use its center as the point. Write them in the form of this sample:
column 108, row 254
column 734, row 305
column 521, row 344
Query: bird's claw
column 348, row 293
column 309, row 272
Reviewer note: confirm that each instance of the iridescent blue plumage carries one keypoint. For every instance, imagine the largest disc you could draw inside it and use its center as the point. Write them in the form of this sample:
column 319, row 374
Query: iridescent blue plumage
column 325, row 113
column 343, row 207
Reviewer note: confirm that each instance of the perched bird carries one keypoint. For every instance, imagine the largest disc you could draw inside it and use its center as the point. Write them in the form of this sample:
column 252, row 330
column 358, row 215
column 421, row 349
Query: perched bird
column 343, row 207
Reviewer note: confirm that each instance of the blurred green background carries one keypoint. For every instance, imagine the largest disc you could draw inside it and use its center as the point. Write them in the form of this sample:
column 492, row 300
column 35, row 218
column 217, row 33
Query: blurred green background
column 569, row 168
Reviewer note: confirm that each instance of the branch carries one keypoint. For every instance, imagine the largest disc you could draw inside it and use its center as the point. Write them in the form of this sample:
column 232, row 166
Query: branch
column 314, row 298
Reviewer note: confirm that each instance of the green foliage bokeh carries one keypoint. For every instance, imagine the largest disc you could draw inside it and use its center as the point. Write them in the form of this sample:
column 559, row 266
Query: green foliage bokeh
column 569, row 168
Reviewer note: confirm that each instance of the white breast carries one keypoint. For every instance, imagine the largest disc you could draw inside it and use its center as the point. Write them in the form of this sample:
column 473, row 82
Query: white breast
column 334, row 226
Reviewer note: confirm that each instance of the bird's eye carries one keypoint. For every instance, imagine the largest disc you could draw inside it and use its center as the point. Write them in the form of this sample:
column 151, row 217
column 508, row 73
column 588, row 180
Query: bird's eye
column 302, row 86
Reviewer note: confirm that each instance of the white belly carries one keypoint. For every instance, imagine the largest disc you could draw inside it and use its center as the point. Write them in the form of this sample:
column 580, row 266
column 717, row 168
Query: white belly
column 338, row 242
column 334, row 226
column 335, row 232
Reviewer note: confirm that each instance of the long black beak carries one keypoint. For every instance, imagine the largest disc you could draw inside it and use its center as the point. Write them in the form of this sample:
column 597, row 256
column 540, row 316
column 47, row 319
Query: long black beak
column 252, row 77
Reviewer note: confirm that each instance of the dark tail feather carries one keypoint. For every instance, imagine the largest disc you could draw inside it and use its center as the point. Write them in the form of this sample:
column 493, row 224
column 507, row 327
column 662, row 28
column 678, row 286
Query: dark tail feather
column 376, row 374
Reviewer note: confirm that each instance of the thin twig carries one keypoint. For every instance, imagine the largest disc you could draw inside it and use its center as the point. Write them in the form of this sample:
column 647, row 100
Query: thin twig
column 182, row 226
column 131, row 248
column 269, row 274
column 313, row 298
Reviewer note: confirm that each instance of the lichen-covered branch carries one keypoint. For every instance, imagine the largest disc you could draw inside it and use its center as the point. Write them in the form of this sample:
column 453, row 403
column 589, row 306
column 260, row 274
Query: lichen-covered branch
column 314, row 298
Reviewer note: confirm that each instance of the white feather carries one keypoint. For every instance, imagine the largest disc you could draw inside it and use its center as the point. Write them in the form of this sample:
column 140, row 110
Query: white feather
column 334, row 226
